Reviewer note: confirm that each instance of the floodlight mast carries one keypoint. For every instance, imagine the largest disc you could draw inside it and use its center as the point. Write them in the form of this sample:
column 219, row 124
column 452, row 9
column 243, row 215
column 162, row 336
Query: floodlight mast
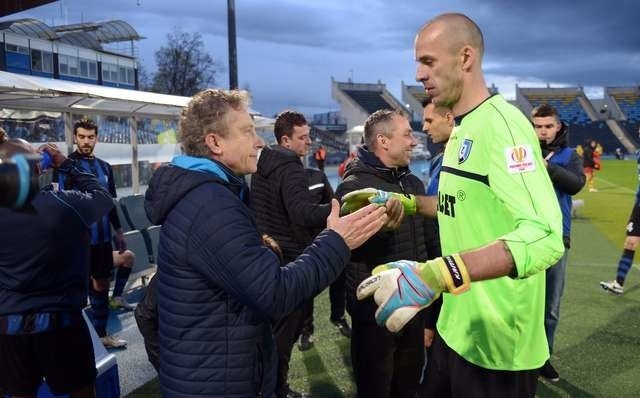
column 233, row 56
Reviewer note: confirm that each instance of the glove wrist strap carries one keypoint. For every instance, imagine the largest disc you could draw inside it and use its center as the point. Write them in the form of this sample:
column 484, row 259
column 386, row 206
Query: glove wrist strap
column 410, row 205
column 455, row 274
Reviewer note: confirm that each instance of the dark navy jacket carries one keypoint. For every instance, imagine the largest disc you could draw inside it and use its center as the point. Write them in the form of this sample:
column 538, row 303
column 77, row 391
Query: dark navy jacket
column 44, row 249
column 219, row 286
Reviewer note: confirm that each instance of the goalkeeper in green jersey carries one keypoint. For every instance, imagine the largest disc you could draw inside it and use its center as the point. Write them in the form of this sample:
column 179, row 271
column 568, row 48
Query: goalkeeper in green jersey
column 500, row 227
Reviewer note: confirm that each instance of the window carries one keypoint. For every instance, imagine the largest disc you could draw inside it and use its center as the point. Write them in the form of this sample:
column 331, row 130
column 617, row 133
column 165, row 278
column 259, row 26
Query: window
column 36, row 60
column 17, row 49
column 63, row 63
column 105, row 72
column 123, row 74
column 73, row 66
column 84, row 68
column 47, row 62
column 109, row 72
column 93, row 70
column 131, row 76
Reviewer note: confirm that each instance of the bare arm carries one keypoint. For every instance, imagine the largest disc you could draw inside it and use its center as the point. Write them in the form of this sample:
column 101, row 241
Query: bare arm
column 489, row 262
column 427, row 206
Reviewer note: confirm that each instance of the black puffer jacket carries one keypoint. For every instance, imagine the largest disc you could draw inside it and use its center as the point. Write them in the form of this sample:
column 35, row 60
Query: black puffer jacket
column 280, row 199
column 405, row 243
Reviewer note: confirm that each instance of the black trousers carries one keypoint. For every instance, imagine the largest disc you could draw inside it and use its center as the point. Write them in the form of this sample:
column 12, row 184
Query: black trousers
column 450, row 375
column 387, row 365
column 146, row 315
column 337, row 299
column 286, row 331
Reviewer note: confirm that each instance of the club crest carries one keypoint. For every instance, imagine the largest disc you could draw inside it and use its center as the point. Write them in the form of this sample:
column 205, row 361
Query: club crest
column 465, row 150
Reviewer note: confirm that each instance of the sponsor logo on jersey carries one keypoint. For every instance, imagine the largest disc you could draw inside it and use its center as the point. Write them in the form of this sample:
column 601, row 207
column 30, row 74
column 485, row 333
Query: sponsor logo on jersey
column 519, row 159
column 630, row 227
column 465, row 150
column 447, row 204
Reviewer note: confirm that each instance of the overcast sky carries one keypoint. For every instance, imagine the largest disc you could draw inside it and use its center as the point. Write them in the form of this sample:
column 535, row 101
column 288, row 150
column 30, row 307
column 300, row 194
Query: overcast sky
column 288, row 50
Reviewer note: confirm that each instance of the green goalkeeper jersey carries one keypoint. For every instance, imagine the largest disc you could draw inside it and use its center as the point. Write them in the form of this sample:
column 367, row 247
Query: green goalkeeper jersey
column 494, row 186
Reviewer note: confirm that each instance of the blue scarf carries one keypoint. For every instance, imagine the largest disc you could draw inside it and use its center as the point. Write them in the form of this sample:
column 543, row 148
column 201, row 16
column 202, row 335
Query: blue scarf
column 205, row 165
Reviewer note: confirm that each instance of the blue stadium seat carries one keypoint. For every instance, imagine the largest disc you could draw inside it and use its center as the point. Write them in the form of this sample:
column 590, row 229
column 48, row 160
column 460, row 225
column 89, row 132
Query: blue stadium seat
column 153, row 235
column 123, row 220
column 142, row 268
column 133, row 209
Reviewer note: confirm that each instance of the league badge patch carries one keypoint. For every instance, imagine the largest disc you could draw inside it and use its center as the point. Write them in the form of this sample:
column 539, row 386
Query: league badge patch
column 519, row 159
column 465, row 150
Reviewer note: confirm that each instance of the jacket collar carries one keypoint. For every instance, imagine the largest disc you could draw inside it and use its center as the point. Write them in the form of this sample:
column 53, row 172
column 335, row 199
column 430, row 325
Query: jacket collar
column 210, row 166
column 370, row 159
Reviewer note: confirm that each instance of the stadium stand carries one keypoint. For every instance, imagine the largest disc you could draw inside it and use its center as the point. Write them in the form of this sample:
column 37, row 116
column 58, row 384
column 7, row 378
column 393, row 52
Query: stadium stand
column 359, row 100
column 629, row 102
column 627, row 99
column 370, row 101
column 566, row 102
column 328, row 129
column 583, row 122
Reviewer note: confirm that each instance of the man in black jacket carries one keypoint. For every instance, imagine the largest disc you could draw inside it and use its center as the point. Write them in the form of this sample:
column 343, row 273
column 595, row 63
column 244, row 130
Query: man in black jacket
column 322, row 192
column 285, row 210
column 43, row 283
column 385, row 364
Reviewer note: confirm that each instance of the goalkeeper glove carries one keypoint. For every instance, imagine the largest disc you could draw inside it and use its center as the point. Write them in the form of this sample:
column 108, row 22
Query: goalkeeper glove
column 362, row 197
column 402, row 288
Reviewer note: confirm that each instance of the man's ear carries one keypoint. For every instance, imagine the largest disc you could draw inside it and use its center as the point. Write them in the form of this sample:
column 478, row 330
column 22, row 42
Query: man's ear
column 382, row 140
column 212, row 141
column 285, row 141
column 450, row 119
column 468, row 55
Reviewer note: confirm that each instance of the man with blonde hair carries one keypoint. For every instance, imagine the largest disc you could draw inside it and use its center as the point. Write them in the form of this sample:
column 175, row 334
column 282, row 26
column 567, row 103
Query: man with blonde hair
column 218, row 285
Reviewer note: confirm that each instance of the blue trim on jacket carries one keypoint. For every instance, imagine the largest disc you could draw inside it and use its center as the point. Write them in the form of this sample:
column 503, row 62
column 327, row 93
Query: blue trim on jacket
column 562, row 157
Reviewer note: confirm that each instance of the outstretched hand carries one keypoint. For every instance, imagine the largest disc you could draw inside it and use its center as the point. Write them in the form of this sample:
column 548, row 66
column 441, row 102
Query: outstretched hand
column 56, row 156
column 357, row 227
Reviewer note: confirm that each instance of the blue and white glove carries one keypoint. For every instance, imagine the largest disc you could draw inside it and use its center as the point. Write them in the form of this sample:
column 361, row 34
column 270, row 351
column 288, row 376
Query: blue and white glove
column 402, row 288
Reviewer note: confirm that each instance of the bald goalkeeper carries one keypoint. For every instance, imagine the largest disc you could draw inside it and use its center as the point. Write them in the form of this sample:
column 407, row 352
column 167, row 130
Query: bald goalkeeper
column 500, row 228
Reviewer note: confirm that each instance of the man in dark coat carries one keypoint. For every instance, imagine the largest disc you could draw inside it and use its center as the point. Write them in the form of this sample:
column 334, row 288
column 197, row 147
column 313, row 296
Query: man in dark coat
column 385, row 364
column 286, row 211
column 218, row 285
column 44, row 271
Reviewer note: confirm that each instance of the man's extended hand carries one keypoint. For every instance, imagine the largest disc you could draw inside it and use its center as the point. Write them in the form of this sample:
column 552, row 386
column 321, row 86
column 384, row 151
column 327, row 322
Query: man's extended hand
column 395, row 214
column 362, row 197
column 402, row 288
column 357, row 227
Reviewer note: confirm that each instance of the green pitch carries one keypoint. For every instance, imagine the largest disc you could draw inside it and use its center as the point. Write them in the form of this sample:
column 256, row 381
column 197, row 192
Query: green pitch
column 597, row 349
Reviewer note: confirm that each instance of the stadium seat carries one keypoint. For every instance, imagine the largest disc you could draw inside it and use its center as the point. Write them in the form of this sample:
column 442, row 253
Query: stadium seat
column 123, row 220
column 153, row 239
column 142, row 267
column 133, row 209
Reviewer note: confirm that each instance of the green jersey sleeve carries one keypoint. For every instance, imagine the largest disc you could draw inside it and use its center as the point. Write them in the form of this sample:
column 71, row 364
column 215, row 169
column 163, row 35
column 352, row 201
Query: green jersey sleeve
column 518, row 178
